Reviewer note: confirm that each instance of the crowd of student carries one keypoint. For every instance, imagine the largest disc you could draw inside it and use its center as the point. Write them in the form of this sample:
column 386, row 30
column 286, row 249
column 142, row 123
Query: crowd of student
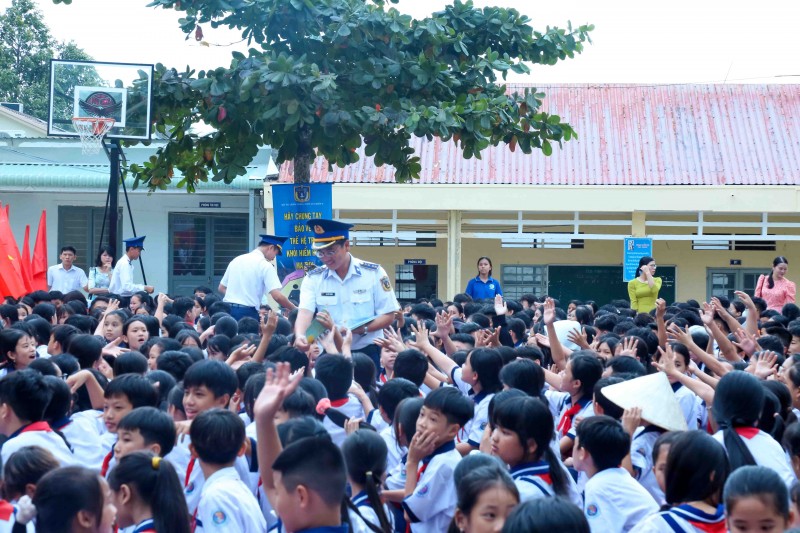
column 482, row 415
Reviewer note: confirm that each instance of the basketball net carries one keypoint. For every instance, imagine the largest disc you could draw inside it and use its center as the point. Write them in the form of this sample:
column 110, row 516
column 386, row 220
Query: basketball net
column 92, row 130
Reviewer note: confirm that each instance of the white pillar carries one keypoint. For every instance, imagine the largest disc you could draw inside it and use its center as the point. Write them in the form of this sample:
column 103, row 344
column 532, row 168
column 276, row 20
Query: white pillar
column 453, row 254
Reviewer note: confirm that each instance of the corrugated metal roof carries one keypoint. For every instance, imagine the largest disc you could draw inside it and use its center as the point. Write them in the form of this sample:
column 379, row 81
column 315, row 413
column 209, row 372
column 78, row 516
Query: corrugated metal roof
column 629, row 135
column 39, row 175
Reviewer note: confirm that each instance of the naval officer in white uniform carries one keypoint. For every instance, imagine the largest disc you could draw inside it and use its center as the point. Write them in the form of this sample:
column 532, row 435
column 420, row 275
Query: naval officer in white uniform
column 122, row 278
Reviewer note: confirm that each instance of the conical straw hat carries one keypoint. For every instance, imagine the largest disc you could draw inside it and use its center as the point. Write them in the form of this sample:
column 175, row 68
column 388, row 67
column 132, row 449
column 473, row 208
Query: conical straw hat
column 654, row 395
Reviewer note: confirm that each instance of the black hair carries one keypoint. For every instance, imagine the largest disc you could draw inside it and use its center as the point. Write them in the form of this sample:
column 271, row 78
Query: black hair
column 365, row 455
column 217, row 436
column 45, row 310
column 62, row 493
column 85, row 324
column 759, row 482
column 586, row 368
column 738, row 401
column 68, row 363
column 175, row 398
column 642, row 262
column 475, row 482
column 697, row 468
column 336, row 373
column 299, row 403
column 501, row 397
column 45, row 367
column 405, row 419
column 163, row 383
column 251, row 389
column 248, row 369
column 226, row 325
column 139, row 391
column 174, row 362
column 196, row 354
column 8, row 343
column 316, row 463
column 36, row 327
column 301, row 427
column 486, row 363
column 481, row 320
column 530, row 419
column 457, row 408
column 531, row 353
column 665, row 439
column 188, row 334
column 605, row 440
column 218, row 377
column 423, row 312
column 364, row 372
column 68, row 249
column 104, row 249
column 62, row 334
column 182, row 305
column 584, row 315
column 87, row 349
column 60, row 401
column 393, row 392
column 130, row 363
column 775, row 262
column 24, row 467
column 545, row 515
column 219, row 343
column 518, row 328
column 9, row 312
column 488, row 260
column 155, row 427
column 156, row 484
column 412, row 365
column 624, row 364
column 772, row 343
column 27, row 393
column 525, row 375
column 609, row 408
column 289, row 354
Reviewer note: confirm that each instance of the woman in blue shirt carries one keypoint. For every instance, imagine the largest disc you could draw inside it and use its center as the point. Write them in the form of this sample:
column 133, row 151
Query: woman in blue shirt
column 483, row 286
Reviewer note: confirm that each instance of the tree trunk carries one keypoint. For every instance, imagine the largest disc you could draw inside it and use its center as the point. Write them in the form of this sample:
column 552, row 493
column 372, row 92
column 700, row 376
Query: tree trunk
column 304, row 158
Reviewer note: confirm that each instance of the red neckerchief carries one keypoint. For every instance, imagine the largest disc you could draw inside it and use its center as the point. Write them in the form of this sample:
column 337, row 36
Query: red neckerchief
column 746, row 432
column 37, row 426
column 340, row 402
column 6, row 510
column 566, row 419
column 106, row 462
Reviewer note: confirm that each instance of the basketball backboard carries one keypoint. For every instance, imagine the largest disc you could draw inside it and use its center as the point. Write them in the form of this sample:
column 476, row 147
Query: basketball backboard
column 121, row 91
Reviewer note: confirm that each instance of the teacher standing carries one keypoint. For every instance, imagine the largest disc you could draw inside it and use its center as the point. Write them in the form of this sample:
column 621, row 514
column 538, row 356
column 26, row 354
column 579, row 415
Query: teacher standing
column 643, row 290
column 775, row 289
column 484, row 286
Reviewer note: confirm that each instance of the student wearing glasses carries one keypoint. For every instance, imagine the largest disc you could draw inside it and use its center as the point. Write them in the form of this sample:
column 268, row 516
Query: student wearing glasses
column 643, row 290
column 350, row 290
column 251, row 275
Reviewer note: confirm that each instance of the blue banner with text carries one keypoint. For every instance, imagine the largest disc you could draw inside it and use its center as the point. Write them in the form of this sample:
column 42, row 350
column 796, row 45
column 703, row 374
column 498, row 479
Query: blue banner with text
column 294, row 205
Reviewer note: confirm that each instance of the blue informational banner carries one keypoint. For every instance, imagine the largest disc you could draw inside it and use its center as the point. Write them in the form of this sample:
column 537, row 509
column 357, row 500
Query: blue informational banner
column 294, row 206
column 635, row 248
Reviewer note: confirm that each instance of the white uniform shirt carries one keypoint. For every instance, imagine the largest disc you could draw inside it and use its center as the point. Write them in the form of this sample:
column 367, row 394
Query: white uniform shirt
column 472, row 432
column 533, row 481
column 683, row 516
column 8, row 517
column 227, row 504
column 61, row 279
column 353, row 409
column 689, row 405
column 87, row 449
column 38, row 434
column 614, row 501
column 357, row 523
column 766, row 451
column 248, row 277
column 122, row 278
column 644, row 439
column 433, row 503
column 396, row 452
column 365, row 292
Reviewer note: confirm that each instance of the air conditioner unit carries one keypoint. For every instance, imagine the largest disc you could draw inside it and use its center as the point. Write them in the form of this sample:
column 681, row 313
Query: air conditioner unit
column 19, row 108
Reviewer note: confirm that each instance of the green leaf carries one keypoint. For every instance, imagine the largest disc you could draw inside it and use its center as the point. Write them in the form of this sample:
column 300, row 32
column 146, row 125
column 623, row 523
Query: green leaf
column 547, row 148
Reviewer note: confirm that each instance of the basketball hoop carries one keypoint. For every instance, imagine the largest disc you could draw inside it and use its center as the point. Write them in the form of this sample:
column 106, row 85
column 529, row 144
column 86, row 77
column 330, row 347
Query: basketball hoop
column 91, row 131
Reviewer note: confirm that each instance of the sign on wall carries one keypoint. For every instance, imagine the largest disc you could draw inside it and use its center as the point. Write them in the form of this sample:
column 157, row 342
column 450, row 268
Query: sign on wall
column 634, row 249
column 294, row 205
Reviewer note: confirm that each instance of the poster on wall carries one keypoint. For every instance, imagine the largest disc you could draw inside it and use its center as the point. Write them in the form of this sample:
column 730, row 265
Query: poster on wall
column 293, row 206
column 634, row 249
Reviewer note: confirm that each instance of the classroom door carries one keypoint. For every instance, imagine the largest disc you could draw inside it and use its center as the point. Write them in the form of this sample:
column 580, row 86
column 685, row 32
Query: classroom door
column 413, row 282
column 201, row 246
column 724, row 281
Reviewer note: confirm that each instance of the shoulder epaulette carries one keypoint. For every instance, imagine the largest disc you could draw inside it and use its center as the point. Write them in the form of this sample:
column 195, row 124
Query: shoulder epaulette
column 318, row 270
column 370, row 266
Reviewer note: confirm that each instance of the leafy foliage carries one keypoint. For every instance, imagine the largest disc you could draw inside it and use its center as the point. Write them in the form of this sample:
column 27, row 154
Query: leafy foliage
column 325, row 77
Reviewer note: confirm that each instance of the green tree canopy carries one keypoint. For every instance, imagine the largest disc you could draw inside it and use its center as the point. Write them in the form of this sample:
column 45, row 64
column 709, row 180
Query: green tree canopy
column 325, row 77
column 26, row 48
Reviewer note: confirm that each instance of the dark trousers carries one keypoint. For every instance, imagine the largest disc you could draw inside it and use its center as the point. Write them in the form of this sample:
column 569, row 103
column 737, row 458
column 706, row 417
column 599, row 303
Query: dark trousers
column 374, row 352
column 241, row 311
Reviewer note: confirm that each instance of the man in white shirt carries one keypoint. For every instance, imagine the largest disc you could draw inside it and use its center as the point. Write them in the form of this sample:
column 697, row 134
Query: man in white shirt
column 251, row 275
column 122, row 277
column 66, row 277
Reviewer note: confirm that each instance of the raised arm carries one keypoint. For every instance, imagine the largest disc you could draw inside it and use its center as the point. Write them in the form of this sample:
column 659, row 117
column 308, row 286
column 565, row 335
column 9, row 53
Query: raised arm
column 556, row 348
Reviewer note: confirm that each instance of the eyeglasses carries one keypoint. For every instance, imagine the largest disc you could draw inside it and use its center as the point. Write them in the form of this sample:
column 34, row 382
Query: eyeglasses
column 326, row 253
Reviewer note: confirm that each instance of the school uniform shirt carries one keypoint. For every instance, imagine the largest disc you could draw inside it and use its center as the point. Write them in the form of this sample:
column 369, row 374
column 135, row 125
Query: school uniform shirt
column 483, row 290
column 561, row 403
column 351, row 407
column 396, row 452
column 766, row 451
column 8, row 517
column 37, row 434
column 122, row 278
column 642, row 444
column 688, row 402
column 81, row 433
column 227, row 504
column 472, row 432
column 533, row 481
column 614, row 501
column 396, row 477
column 248, row 278
column 359, row 523
column 432, row 505
column 375, row 420
column 684, row 519
column 63, row 280
column 365, row 292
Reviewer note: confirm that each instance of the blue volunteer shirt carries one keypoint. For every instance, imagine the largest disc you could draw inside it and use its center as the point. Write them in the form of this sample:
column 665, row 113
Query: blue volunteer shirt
column 483, row 290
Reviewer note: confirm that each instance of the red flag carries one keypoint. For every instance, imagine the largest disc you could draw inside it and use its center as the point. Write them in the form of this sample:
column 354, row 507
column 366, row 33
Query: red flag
column 39, row 263
column 10, row 267
column 27, row 274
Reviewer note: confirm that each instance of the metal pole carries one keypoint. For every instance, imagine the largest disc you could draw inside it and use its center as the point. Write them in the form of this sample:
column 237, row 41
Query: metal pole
column 113, row 194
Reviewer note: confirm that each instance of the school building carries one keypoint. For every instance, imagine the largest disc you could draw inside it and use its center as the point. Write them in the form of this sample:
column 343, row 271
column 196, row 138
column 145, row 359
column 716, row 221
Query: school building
column 710, row 172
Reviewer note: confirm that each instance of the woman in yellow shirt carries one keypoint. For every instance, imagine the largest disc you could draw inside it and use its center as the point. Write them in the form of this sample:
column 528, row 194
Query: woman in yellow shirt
column 643, row 290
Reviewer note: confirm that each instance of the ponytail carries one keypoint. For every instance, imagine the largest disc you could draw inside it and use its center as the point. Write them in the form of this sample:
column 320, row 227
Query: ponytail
column 557, row 474
column 156, row 483
column 365, row 455
column 738, row 402
column 775, row 262
column 374, row 497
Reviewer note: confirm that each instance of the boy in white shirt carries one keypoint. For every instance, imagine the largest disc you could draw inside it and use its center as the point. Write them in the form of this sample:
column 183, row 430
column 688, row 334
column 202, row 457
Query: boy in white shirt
column 613, row 500
column 226, row 503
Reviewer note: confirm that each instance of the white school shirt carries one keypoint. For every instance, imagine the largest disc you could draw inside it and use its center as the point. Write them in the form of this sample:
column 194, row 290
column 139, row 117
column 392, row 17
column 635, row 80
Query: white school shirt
column 560, row 402
column 358, row 524
column 63, row 280
column 642, row 444
column 766, row 451
column 352, row 408
column 682, row 516
column 432, row 505
column 248, row 278
column 396, row 477
column 122, row 278
column 689, row 405
column 38, row 434
column 8, row 517
column 227, row 504
column 472, row 432
column 82, row 435
column 533, row 481
column 614, row 501
column 396, row 451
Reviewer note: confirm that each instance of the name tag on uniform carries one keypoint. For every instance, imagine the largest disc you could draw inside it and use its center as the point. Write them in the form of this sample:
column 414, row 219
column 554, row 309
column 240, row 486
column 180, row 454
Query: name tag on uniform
column 360, row 291
column 328, row 294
